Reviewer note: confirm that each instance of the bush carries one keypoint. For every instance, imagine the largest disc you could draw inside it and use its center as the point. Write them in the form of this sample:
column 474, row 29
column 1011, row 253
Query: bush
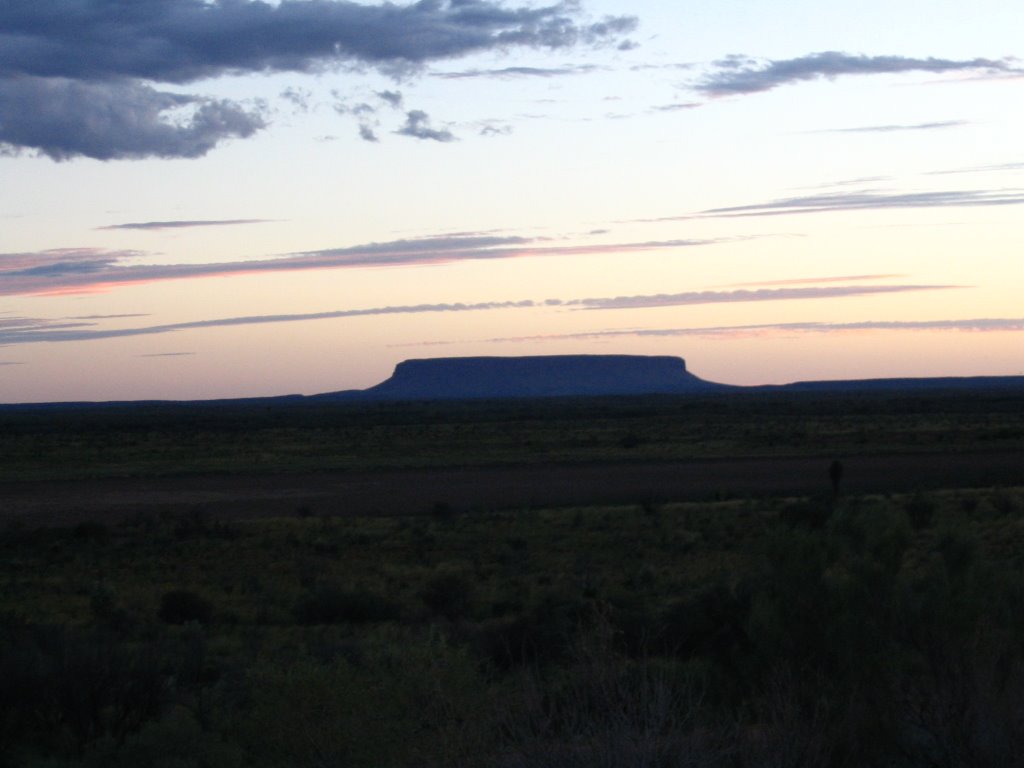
column 921, row 511
column 328, row 604
column 106, row 608
column 544, row 632
column 64, row 689
column 448, row 593
column 180, row 606
column 442, row 511
column 807, row 513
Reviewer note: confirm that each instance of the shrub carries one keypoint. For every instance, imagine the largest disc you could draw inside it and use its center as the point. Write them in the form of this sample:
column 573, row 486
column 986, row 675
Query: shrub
column 544, row 632
column 106, row 608
column 329, row 604
column 448, row 593
column 180, row 606
column 442, row 510
column 630, row 440
column 90, row 530
column 921, row 510
column 808, row 513
column 63, row 689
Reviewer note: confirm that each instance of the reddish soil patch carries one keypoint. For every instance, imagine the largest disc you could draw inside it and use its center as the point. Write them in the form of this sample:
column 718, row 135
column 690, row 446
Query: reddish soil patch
column 421, row 491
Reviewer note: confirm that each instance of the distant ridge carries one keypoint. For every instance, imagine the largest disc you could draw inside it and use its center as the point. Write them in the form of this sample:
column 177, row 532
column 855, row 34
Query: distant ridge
column 477, row 378
column 458, row 378
column 934, row 383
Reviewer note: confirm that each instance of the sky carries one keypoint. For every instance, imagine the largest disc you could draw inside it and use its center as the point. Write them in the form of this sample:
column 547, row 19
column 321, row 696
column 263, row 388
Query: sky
column 232, row 198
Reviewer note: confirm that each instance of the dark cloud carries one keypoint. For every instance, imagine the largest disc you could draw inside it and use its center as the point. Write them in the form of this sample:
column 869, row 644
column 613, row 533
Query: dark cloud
column 63, row 118
column 869, row 200
column 898, row 128
column 366, row 133
column 742, row 75
column 73, row 73
column 506, row 72
column 30, row 331
column 181, row 41
column 417, row 125
column 157, row 225
column 84, row 269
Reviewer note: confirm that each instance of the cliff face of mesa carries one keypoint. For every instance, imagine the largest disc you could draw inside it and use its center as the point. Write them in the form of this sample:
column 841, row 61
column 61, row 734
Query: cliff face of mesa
column 538, row 376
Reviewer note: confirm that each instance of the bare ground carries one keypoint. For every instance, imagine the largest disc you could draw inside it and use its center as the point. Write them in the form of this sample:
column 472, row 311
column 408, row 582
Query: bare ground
column 421, row 491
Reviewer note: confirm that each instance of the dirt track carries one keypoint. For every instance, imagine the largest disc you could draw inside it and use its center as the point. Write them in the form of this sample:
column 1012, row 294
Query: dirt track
column 418, row 491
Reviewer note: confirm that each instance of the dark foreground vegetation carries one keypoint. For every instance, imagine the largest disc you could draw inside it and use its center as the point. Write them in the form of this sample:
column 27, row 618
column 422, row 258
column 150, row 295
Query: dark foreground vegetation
column 60, row 442
column 699, row 630
column 863, row 631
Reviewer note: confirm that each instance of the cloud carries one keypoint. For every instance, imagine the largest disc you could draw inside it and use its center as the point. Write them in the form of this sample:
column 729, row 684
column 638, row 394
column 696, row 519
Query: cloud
column 63, row 118
column 743, row 75
column 17, row 328
column 869, row 200
column 75, row 75
column 675, row 65
column 417, row 125
column 57, row 262
column 361, row 109
column 29, row 330
column 393, row 98
column 490, row 129
column 181, row 41
column 975, row 325
column 299, row 97
column 507, row 72
column 366, row 133
column 679, row 107
column 898, row 128
column 980, row 169
column 157, row 225
column 109, row 317
column 84, row 269
column 744, row 296
column 811, row 280
column 858, row 181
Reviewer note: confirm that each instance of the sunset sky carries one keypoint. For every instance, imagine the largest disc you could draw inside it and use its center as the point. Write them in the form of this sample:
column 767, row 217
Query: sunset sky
column 228, row 198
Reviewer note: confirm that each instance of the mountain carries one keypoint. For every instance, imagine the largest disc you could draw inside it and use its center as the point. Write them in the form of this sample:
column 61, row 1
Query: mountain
column 454, row 378
column 468, row 378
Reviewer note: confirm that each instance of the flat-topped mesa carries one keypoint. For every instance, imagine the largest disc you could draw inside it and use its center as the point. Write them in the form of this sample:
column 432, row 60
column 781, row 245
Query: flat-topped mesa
column 538, row 376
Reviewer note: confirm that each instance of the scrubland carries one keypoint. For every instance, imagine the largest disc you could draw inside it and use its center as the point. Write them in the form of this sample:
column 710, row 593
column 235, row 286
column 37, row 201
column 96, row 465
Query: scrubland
column 842, row 629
